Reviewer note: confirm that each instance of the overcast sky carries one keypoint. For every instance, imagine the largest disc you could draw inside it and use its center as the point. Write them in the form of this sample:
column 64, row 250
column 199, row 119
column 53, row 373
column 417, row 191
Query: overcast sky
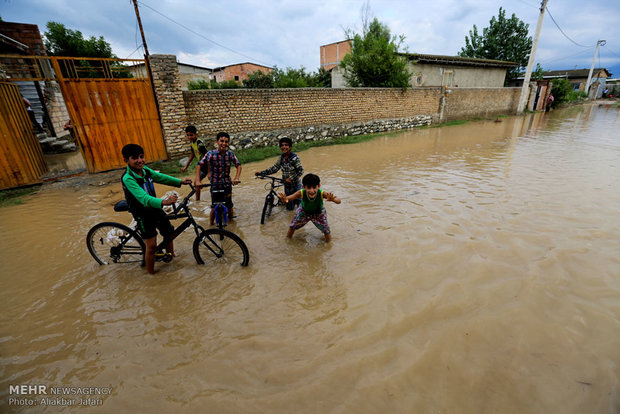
column 288, row 33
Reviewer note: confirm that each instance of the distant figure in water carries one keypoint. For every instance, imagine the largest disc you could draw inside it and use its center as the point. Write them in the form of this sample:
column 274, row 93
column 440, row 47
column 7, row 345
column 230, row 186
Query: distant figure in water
column 550, row 100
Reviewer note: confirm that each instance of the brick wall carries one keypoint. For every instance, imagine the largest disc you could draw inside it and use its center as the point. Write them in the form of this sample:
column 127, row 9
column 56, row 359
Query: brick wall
column 27, row 34
column 465, row 103
column 170, row 100
column 236, row 110
column 257, row 117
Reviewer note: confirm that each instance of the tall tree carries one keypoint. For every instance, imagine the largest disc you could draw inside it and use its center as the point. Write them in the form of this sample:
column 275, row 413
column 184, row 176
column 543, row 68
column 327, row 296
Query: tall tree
column 374, row 59
column 504, row 39
column 60, row 41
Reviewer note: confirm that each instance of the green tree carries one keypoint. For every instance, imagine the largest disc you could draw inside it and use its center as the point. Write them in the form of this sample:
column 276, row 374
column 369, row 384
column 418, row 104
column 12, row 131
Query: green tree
column 60, row 41
column 292, row 78
column 259, row 80
column 374, row 59
column 504, row 39
column 289, row 78
column 539, row 73
column 323, row 78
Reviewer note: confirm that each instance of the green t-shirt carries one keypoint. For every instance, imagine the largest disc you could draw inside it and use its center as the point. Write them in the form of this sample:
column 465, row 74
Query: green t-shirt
column 312, row 206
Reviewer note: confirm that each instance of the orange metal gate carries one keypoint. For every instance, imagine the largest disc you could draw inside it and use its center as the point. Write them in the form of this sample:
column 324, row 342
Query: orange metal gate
column 21, row 157
column 110, row 104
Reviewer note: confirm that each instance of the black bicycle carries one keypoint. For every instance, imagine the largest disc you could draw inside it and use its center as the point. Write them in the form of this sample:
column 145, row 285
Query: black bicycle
column 110, row 242
column 271, row 199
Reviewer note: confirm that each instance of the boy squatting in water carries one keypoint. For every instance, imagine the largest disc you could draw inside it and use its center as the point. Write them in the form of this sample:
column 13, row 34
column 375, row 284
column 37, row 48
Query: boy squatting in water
column 311, row 208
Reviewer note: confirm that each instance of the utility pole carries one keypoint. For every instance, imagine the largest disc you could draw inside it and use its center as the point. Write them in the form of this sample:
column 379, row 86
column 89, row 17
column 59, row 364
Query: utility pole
column 599, row 43
column 146, row 49
column 530, row 63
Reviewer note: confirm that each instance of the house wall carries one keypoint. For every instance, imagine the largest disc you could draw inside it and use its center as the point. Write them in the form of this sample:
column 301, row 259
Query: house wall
column 27, row 34
column 332, row 54
column 461, row 76
column 189, row 74
column 242, row 71
column 424, row 74
column 464, row 103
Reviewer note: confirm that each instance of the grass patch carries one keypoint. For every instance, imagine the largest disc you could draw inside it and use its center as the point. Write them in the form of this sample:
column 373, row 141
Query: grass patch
column 16, row 196
column 259, row 154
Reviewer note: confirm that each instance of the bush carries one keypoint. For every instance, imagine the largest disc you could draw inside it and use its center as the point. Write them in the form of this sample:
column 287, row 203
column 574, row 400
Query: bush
column 198, row 84
column 259, row 80
column 561, row 90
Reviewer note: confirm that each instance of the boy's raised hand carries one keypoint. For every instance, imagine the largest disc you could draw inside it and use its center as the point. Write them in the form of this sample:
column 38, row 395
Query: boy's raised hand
column 282, row 197
column 331, row 197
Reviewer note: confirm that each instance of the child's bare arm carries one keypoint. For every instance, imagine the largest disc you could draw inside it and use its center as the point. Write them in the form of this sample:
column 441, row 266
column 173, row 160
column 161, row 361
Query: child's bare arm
column 330, row 197
column 286, row 199
column 189, row 161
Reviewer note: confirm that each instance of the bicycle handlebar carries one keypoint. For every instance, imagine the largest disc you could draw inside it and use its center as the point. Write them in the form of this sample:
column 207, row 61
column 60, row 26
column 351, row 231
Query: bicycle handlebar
column 271, row 177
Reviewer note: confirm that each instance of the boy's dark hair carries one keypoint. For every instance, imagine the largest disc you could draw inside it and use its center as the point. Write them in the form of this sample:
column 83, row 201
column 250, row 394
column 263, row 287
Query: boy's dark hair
column 311, row 180
column 222, row 134
column 190, row 128
column 286, row 140
column 132, row 150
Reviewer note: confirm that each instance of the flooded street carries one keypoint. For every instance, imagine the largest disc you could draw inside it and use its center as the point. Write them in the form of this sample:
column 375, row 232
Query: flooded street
column 473, row 269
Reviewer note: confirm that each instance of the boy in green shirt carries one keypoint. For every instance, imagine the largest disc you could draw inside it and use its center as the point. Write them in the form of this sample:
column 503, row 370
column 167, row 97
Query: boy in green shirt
column 138, row 186
column 311, row 208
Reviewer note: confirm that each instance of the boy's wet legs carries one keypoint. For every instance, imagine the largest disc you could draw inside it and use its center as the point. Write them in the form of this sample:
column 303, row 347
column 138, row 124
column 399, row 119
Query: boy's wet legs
column 149, row 254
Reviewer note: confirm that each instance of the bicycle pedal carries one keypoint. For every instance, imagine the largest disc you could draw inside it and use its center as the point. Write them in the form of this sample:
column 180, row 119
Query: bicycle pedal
column 163, row 257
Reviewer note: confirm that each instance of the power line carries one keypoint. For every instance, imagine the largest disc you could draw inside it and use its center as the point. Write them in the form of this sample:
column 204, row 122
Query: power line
column 200, row 35
column 135, row 50
column 580, row 53
column 562, row 31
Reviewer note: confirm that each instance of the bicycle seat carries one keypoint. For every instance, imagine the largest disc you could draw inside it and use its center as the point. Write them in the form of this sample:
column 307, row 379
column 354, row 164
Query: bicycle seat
column 121, row 206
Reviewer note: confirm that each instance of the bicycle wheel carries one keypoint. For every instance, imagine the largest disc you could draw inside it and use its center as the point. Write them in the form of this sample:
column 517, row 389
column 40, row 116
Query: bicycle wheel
column 220, row 247
column 268, row 207
column 115, row 243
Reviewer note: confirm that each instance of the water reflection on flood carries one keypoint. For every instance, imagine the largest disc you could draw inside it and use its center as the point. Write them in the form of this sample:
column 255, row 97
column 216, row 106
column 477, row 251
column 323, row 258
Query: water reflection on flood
column 473, row 269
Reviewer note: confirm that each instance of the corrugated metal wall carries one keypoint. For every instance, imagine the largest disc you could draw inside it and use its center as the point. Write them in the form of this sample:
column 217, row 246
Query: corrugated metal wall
column 21, row 157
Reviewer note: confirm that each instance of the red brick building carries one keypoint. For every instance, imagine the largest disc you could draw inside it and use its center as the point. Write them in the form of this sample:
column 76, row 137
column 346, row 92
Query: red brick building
column 238, row 72
column 21, row 38
column 332, row 54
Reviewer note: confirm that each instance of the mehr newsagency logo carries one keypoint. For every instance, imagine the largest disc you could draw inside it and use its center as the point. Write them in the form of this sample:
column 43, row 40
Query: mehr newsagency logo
column 44, row 395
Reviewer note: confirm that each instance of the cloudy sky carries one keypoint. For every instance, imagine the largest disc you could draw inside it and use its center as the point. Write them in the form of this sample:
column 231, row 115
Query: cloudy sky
column 288, row 33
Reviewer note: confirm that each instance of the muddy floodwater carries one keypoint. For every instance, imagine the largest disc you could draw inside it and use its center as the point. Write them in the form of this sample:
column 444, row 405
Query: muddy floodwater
column 473, row 269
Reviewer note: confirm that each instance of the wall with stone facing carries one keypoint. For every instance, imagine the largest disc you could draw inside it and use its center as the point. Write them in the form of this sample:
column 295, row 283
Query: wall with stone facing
column 466, row 103
column 255, row 139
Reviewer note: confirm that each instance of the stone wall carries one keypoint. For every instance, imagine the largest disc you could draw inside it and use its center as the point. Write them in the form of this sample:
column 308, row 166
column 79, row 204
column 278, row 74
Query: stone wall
column 326, row 132
column 467, row 103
